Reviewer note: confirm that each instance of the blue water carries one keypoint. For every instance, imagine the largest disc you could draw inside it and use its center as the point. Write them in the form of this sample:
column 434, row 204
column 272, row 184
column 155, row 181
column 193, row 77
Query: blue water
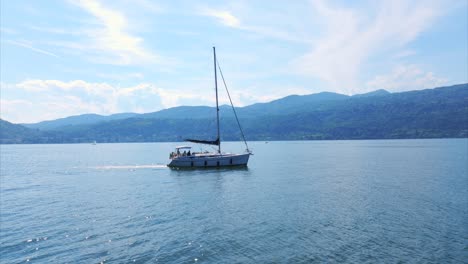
column 386, row 201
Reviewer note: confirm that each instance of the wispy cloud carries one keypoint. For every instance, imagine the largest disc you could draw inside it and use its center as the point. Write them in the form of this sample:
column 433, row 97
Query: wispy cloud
column 55, row 30
column 406, row 78
column 224, row 16
column 112, row 42
column 228, row 18
column 30, row 47
column 352, row 37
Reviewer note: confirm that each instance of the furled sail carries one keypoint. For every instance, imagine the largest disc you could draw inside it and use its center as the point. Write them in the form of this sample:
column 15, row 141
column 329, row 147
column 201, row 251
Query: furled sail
column 208, row 142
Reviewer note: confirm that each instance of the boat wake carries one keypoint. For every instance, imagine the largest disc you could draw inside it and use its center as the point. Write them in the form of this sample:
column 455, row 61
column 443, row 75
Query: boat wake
column 130, row 167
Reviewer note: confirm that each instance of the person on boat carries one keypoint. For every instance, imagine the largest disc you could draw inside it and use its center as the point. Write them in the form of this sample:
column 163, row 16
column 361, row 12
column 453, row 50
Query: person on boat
column 188, row 154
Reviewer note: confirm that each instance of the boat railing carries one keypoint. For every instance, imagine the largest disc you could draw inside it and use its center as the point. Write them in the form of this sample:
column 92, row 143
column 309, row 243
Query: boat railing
column 174, row 155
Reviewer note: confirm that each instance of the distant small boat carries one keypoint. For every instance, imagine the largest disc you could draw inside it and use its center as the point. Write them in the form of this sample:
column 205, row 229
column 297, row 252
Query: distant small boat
column 94, row 142
column 182, row 157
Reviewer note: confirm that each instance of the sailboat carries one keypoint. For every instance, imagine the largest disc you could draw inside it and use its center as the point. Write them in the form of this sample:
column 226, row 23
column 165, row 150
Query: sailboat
column 182, row 157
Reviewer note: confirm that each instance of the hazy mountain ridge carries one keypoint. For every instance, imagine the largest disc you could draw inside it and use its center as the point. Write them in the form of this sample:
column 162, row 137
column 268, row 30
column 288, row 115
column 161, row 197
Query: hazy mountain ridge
column 440, row 112
column 379, row 92
column 16, row 134
column 77, row 120
column 291, row 103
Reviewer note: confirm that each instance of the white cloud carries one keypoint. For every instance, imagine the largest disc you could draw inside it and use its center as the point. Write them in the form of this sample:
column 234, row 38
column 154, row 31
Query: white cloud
column 268, row 26
column 113, row 44
column 24, row 111
column 405, row 78
column 352, row 37
column 224, row 16
column 101, row 89
column 51, row 99
column 133, row 89
column 30, row 47
column 54, row 30
column 16, row 110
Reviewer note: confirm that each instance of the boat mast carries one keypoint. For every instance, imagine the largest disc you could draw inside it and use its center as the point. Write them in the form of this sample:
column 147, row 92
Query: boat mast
column 217, row 107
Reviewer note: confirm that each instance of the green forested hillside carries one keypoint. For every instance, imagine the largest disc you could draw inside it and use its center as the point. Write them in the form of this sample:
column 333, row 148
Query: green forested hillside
column 77, row 120
column 432, row 113
column 18, row 134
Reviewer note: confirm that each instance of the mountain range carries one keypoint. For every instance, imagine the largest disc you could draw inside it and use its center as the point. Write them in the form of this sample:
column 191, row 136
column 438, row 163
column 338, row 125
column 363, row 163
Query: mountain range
column 432, row 113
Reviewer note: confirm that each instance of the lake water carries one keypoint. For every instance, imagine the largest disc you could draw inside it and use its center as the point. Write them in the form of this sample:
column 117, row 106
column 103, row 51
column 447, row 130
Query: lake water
column 385, row 201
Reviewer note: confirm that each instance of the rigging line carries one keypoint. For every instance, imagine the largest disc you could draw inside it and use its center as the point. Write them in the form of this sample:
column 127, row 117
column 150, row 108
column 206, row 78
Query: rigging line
column 232, row 105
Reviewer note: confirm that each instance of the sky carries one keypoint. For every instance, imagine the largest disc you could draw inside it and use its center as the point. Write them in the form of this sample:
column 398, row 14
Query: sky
column 60, row 58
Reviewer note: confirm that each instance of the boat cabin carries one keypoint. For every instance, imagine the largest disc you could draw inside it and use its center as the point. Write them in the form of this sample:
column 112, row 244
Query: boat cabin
column 181, row 151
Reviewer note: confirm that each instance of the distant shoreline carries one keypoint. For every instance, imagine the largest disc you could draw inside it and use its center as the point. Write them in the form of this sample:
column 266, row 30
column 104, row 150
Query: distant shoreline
column 282, row 140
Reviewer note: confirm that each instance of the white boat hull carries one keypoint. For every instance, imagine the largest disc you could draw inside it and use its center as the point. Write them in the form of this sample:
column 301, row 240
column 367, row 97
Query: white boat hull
column 210, row 160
